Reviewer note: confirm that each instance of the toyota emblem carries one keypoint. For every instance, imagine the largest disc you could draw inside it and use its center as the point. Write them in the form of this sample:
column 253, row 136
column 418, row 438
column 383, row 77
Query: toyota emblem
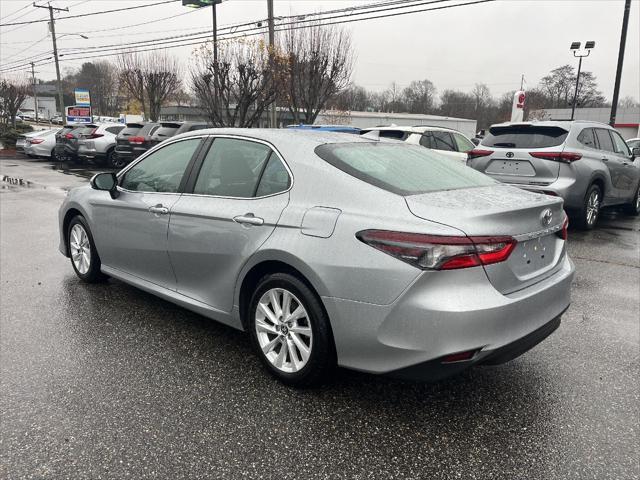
column 509, row 154
column 546, row 217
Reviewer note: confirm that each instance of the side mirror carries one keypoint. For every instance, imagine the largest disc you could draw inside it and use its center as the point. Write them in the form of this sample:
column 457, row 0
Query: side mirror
column 106, row 181
column 635, row 152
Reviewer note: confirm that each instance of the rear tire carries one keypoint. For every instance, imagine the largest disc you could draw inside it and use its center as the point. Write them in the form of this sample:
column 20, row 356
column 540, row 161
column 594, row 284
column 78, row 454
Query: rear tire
column 587, row 216
column 290, row 331
column 116, row 162
column 82, row 251
column 633, row 208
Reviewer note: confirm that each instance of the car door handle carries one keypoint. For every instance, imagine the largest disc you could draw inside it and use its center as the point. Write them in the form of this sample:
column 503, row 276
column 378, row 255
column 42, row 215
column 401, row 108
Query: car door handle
column 159, row 210
column 605, row 159
column 249, row 219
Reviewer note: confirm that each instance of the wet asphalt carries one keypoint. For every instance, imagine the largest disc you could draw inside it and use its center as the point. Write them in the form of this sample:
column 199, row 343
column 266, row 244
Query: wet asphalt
column 106, row 381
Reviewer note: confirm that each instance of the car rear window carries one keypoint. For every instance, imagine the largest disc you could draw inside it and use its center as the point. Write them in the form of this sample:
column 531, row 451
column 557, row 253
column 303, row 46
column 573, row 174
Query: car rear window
column 166, row 131
column 148, row 129
column 402, row 168
column 88, row 130
column 524, row 137
column 130, row 130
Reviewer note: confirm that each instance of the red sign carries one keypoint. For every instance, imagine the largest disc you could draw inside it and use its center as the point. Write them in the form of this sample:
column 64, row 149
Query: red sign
column 78, row 112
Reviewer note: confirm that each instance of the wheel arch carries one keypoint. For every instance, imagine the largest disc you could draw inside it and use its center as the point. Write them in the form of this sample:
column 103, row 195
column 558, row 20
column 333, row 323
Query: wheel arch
column 68, row 216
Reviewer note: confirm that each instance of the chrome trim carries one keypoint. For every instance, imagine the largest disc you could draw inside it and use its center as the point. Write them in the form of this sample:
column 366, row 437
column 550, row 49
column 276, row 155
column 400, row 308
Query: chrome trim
column 540, row 233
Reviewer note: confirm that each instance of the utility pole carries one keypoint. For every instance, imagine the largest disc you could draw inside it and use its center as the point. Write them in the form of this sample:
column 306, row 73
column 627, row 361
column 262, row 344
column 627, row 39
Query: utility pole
column 273, row 121
column 623, row 42
column 35, row 93
column 215, row 34
column 55, row 56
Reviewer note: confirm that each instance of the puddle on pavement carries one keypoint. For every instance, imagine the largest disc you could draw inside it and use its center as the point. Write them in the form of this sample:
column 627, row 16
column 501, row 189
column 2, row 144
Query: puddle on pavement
column 78, row 171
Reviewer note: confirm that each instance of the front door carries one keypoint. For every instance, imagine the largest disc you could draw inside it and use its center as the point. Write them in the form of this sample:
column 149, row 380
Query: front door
column 629, row 173
column 131, row 230
column 236, row 200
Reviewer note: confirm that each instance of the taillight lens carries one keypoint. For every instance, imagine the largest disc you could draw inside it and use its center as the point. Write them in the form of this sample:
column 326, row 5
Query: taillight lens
column 564, row 233
column 36, row 141
column 93, row 134
column 565, row 157
column 136, row 140
column 434, row 252
column 476, row 152
column 68, row 136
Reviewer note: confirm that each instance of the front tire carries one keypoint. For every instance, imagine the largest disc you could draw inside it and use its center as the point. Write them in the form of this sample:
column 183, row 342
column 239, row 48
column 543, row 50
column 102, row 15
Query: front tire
column 633, row 208
column 82, row 251
column 588, row 215
column 290, row 331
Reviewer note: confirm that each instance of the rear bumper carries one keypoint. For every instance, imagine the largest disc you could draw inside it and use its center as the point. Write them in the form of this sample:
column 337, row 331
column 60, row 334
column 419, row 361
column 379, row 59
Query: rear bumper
column 89, row 154
column 444, row 313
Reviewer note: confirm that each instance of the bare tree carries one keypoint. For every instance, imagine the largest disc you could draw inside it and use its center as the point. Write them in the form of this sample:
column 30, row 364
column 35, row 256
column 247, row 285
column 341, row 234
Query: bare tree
column 13, row 93
column 628, row 102
column 101, row 78
column 237, row 90
column 420, row 96
column 319, row 65
column 559, row 88
column 150, row 79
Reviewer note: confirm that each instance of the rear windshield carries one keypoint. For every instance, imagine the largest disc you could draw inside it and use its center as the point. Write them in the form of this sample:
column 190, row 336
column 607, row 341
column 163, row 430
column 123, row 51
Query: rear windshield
column 129, row 131
column 166, row 132
column 398, row 134
column 524, row 137
column 148, row 129
column 401, row 168
column 88, row 130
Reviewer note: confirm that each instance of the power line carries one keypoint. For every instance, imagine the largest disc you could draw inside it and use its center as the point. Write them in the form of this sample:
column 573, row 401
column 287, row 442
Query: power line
column 92, row 13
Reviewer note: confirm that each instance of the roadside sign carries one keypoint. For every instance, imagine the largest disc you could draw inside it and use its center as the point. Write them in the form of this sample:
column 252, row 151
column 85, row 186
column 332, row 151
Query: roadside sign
column 78, row 114
column 83, row 99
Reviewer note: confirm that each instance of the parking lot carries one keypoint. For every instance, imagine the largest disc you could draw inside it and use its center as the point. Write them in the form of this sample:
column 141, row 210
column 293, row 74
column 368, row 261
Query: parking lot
column 108, row 381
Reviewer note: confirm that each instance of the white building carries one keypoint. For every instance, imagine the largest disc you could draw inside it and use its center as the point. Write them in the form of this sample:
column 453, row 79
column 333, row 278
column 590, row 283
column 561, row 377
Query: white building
column 375, row 119
column 46, row 106
column 627, row 119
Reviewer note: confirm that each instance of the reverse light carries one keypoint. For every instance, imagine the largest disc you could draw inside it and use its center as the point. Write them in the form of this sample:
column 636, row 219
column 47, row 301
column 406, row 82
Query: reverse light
column 434, row 252
column 136, row 140
column 476, row 152
column 565, row 157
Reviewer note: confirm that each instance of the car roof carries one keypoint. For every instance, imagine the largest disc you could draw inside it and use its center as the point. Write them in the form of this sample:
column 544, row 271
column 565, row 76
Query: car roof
column 564, row 124
column 412, row 129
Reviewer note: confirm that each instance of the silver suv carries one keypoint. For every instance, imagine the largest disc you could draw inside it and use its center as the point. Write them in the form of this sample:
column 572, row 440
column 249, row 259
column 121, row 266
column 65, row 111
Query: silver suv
column 98, row 142
column 588, row 164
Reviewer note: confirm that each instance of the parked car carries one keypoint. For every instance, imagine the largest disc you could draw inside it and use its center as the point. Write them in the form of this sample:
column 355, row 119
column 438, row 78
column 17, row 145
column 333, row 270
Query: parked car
column 67, row 142
column 171, row 129
column 42, row 145
column 379, row 255
column 132, row 142
column 56, row 120
column 633, row 143
column 21, row 140
column 97, row 143
column 586, row 163
column 446, row 141
column 327, row 128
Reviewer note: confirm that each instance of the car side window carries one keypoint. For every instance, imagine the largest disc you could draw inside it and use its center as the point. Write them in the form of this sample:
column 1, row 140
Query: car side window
column 426, row 140
column 443, row 141
column 114, row 130
column 586, row 138
column 162, row 171
column 604, row 140
column 462, row 144
column 275, row 178
column 232, row 168
column 619, row 144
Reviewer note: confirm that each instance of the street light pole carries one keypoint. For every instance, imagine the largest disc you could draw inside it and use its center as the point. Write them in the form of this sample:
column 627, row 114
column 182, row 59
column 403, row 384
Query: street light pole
column 623, row 41
column 575, row 48
column 575, row 95
column 55, row 56
column 35, row 94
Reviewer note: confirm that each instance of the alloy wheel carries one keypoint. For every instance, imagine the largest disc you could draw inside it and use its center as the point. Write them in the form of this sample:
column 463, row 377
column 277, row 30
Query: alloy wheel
column 283, row 330
column 593, row 207
column 80, row 249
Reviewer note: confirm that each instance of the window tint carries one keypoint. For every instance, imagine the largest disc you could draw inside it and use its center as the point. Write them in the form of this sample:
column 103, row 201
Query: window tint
column 524, row 137
column 620, row 145
column 161, row 171
column 586, row 138
column 130, row 131
column 397, row 134
column 275, row 178
column 114, row 130
column 427, row 141
column 197, row 127
column 148, row 130
column 443, row 141
column 462, row 144
column 232, row 168
column 604, row 140
column 403, row 169
column 166, row 131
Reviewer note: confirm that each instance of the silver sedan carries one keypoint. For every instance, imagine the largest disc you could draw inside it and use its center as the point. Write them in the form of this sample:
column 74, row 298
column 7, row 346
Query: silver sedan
column 330, row 249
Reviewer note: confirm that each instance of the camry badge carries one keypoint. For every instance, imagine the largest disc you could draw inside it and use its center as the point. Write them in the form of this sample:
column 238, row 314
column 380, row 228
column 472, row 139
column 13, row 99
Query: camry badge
column 546, row 217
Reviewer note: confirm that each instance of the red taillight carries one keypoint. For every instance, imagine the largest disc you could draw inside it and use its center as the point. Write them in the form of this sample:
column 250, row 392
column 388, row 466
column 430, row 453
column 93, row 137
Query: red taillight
column 35, row 141
column 564, row 233
column 93, row 134
column 476, row 152
column 136, row 140
column 566, row 157
column 459, row 357
column 68, row 136
column 436, row 252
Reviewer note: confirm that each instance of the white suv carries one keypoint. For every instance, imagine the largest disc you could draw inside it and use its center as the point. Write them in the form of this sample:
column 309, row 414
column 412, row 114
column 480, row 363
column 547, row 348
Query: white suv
column 446, row 141
column 98, row 142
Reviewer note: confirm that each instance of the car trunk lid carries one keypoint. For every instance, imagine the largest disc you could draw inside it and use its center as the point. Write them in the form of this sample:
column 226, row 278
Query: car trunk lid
column 501, row 210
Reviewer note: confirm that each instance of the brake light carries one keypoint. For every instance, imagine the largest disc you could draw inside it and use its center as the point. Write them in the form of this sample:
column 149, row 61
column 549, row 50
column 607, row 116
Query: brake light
column 93, row 134
column 434, row 252
column 475, row 153
column 36, row 141
column 564, row 233
column 68, row 136
column 136, row 140
column 565, row 157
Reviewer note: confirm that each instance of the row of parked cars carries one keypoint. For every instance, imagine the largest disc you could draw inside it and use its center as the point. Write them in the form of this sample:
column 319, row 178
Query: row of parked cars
column 110, row 144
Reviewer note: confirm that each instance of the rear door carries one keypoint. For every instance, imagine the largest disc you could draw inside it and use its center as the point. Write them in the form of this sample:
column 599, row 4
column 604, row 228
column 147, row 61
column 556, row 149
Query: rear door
column 236, row 199
column 512, row 162
column 443, row 142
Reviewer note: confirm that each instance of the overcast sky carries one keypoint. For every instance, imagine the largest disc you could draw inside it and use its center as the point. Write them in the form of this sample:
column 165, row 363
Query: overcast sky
column 492, row 43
